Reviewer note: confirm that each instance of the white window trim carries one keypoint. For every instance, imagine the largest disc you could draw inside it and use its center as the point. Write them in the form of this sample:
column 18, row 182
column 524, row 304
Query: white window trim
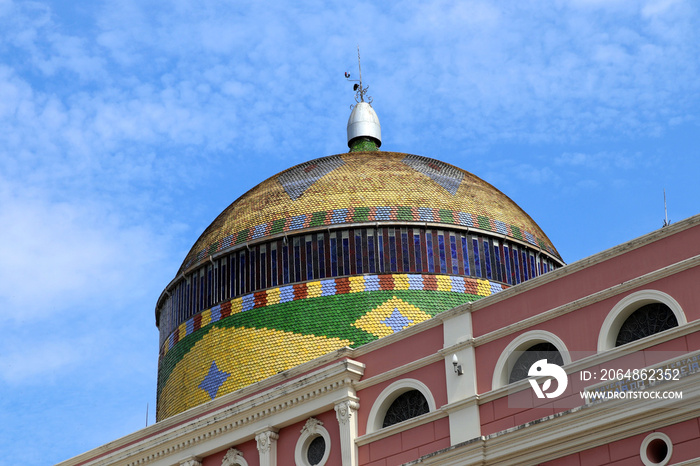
column 626, row 306
column 645, row 443
column 233, row 457
column 387, row 397
column 312, row 429
column 522, row 343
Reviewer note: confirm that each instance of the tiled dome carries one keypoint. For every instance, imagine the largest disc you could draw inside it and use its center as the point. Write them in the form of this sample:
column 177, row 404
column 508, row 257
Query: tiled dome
column 362, row 187
column 339, row 251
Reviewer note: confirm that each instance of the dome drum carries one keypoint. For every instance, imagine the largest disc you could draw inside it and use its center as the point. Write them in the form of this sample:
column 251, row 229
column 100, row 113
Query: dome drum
column 350, row 249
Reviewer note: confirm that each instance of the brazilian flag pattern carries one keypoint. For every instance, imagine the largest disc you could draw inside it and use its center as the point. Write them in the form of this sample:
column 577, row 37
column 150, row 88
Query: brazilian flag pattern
column 253, row 337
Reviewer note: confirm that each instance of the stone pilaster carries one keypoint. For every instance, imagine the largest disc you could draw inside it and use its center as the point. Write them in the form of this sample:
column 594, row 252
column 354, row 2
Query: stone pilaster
column 346, row 412
column 267, row 446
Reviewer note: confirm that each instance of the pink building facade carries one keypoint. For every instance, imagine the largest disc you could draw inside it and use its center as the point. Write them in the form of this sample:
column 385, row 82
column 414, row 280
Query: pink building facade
column 461, row 362
column 378, row 309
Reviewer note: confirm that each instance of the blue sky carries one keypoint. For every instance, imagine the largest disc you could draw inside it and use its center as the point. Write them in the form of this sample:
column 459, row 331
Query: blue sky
column 127, row 126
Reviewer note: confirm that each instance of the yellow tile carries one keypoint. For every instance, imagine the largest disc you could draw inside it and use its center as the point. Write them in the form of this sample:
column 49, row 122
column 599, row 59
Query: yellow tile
column 273, row 296
column 483, row 287
column 206, row 318
column 444, row 283
column 357, row 284
column 313, row 289
column 236, row 305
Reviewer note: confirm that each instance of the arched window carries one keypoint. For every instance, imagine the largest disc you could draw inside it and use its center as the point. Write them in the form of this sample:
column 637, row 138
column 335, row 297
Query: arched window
column 544, row 350
column 639, row 315
column 524, row 350
column 406, row 406
column 399, row 402
column 647, row 320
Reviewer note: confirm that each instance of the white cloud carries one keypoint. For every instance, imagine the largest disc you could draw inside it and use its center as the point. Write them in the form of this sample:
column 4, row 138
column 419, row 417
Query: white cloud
column 658, row 7
column 59, row 255
column 21, row 362
column 600, row 161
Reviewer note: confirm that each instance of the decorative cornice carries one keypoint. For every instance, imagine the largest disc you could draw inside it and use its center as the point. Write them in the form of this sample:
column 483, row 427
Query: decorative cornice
column 402, row 426
column 586, row 300
column 205, row 423
column 575, row 267
column 397, row 371
column 572, row 431
column 599, row 358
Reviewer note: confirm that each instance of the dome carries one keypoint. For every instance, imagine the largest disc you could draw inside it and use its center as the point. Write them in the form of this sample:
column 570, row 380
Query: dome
column 366, row 187
column 338, row 251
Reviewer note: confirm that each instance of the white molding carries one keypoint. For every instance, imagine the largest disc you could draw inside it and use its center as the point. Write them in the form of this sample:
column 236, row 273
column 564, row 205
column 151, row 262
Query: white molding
column 398, row 371
column 690, row 462
column 312, row 429
column 216, row 429
column 521, row 343
column 645, row 443
column 456, row 347
column 388, row 395
column 582, row 264
column 584, row 301
column 573, row 431
column 596, row 359
column 626, row 306
column 402, row 426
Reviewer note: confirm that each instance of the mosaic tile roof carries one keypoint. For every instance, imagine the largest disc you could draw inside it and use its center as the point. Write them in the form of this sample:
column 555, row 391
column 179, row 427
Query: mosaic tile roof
column 242, row 341
column 366, row 187
column 251, row 337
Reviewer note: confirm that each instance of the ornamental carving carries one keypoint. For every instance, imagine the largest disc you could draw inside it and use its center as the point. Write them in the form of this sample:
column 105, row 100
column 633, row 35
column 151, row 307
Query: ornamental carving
column 192, row 461
column 233, row 457
column 344, row 411
column 264, row 440
column 311, row 426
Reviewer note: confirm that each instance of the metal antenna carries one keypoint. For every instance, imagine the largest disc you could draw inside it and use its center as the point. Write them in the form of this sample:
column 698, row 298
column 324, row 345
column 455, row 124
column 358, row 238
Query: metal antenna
column 666, row 222
column 359, row 66
column 359, row 90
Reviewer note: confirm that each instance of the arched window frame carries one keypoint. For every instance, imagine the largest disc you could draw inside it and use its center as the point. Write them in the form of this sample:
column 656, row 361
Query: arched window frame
column 626, row 306
column 522, row 342
column 387, row 397
column 312, row 429
column 233, row 457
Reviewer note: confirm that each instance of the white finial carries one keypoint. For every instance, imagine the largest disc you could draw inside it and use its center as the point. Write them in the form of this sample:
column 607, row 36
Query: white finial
column 364, row 130
column 364, row 124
